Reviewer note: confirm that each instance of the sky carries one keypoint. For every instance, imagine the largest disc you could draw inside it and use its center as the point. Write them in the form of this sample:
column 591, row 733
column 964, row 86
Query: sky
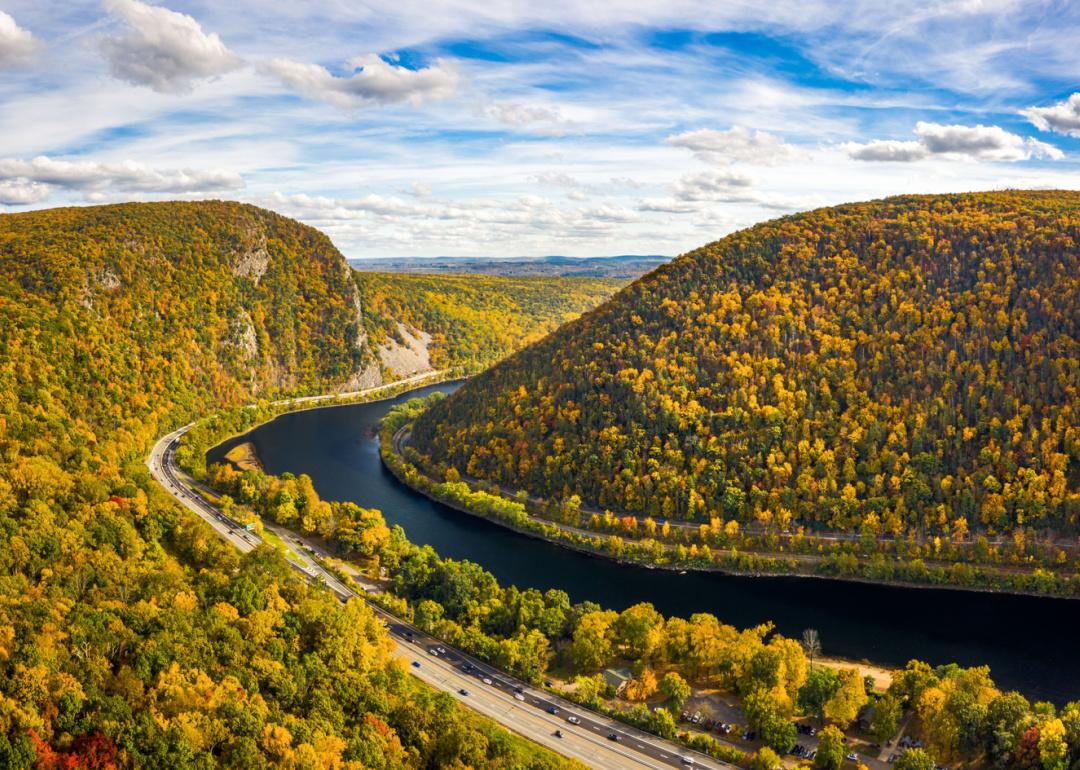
column 517, row 127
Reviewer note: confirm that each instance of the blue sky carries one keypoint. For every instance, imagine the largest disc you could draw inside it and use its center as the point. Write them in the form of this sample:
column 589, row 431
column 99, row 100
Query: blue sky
column 511, row 127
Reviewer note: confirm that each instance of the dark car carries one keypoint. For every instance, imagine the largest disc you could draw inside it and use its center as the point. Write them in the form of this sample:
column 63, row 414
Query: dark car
column 464, row 692
column 416, row 664
column 613, row 736
column 552, row 710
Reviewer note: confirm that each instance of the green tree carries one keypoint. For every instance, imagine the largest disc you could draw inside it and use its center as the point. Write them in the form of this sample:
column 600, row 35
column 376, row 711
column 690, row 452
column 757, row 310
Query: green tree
column 764, row 713
column 819, row 688
column 830, row 751
column 887, row 712
column 844, row 706
column 675, row 688
column 638, row 632
column 765, row 759
column 663, row 723
column 914, row 759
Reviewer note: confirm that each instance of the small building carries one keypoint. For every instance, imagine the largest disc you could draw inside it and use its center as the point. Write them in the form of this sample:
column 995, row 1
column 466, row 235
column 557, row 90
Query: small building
column 616, row 678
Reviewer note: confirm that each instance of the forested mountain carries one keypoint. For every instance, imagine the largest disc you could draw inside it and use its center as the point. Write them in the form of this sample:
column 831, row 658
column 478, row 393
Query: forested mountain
column 130, row 636
column 468, row 322
column 910, row 364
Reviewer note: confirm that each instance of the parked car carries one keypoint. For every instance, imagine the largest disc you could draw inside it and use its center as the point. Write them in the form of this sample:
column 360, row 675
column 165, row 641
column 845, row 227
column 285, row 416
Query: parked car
column 851, row 757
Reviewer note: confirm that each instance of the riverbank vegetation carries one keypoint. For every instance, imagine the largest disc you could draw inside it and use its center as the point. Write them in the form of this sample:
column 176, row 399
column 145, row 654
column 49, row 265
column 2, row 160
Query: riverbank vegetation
column 723, row 545
column 474, row 320
column 130, row 635
column 899, row 376
column 959, row 714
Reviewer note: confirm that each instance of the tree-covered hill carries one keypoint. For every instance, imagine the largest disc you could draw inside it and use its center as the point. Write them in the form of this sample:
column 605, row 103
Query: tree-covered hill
column 130, row 636
column 471, row 321
column 909, row 364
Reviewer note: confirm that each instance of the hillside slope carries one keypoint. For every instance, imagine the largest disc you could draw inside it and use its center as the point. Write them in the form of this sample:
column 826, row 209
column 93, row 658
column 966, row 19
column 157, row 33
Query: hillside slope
column 468, row 322
column 911, row 364
column 130, row 636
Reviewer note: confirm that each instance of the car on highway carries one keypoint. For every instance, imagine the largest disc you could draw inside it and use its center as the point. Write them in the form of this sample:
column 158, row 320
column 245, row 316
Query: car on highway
column 573, row 720
column 416, row 664
column 613, row 737
column 463, row 692
column 486, row 680
column 519, row 696
column 552, row 710
column 433, row 651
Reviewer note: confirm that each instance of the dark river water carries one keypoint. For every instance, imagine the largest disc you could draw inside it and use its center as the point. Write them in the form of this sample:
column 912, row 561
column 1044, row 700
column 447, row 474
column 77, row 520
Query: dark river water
column 1029, row 643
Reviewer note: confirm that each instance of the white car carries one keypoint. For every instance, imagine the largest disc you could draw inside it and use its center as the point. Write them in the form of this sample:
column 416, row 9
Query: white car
column 486, row 680
column 519, row 696
column 573, row 720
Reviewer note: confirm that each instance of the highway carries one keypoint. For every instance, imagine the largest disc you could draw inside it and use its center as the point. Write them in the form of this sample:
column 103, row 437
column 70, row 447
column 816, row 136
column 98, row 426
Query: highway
column 593, row 739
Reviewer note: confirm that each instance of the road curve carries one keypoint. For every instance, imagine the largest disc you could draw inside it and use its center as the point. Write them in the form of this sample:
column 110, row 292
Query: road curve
column 514, row 704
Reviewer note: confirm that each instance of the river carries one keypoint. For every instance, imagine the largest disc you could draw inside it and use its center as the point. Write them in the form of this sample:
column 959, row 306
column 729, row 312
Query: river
column 1028, row 642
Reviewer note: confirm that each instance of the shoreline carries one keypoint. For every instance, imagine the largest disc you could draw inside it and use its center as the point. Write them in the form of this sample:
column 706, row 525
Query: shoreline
column 715, row 570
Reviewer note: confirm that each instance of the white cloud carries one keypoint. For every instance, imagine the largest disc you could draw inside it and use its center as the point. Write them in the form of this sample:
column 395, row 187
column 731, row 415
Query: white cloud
column 17, row 45
column 164, row 50
column 19, row 192
column 888, row 150
column 1063, row 117
column 727, row 186
column 982, row 142
column 988, row 143
column 33, row 178
column 545, row 121
column 737, row 144
column 372, row 80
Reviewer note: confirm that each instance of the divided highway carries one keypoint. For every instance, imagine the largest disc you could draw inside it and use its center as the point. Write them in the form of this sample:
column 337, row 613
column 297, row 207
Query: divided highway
column 593, row 739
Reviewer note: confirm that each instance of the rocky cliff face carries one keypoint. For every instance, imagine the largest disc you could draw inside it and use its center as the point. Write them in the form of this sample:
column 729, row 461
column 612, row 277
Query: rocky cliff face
column 251, row 302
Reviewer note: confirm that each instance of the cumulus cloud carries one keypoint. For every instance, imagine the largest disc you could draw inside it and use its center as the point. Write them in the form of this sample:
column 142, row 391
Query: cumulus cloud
column 990, row 143
column 164, row 50
column 737, row 144
column 372, row 80
column 888, row 150
column 29, row 181
column 17, row 45
column 20, row 192
column 728, row 187
column 1063, row 117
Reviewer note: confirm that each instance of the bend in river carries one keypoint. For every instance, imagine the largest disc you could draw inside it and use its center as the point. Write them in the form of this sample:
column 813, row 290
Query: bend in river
column 1024, row 640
